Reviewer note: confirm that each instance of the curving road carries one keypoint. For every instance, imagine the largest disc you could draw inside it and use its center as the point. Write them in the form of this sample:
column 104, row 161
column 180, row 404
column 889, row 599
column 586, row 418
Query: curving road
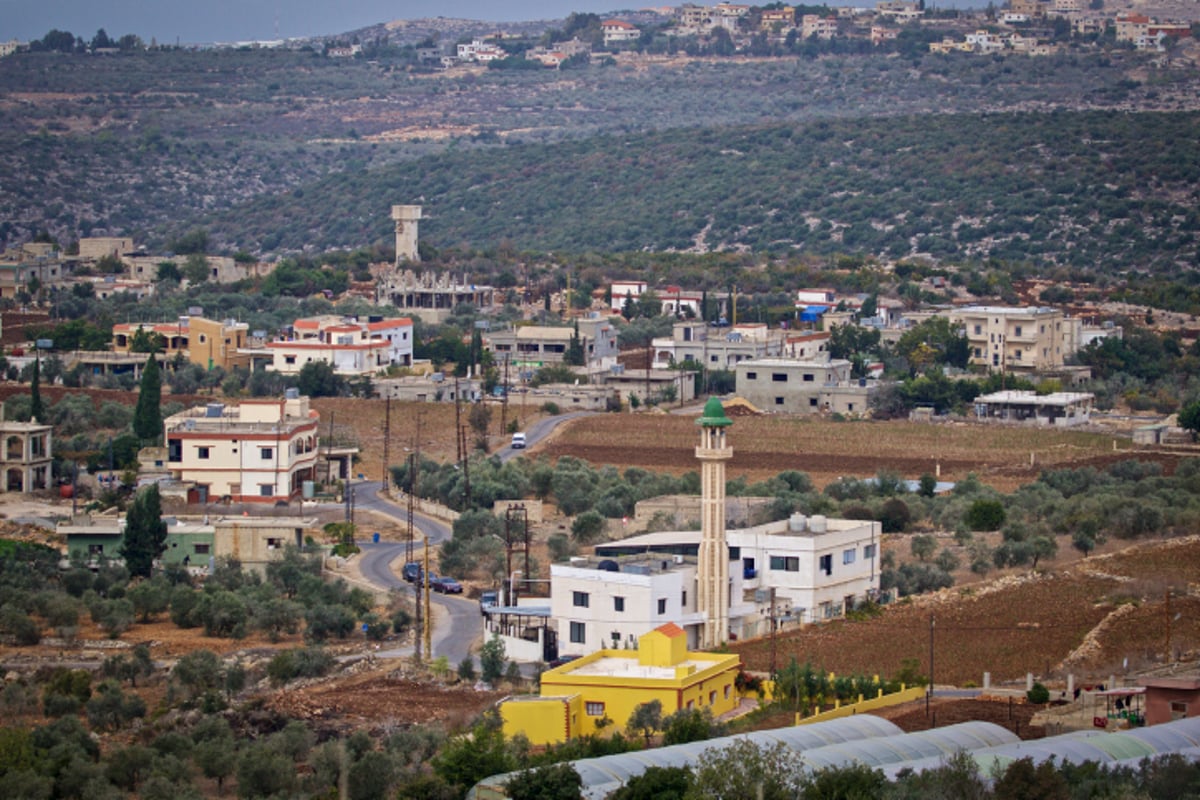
column 453, row 638
column 456, row 637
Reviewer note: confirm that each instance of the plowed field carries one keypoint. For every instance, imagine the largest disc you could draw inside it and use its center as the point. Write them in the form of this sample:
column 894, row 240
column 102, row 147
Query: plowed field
column 763, row 446
column 1086, row 620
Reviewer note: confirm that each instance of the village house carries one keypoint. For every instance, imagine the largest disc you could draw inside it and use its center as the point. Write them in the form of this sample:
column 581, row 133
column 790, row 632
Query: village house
column 194, row 543
column 351, row 347
column 715, row 347
column 535, row 346
column 803, row 386
column 208, row 343
column 26, row 456
column 778, row 19
column 577, row 698
column 260, row 451
column 481, row 51
column 1059, row 409
column 618, row 32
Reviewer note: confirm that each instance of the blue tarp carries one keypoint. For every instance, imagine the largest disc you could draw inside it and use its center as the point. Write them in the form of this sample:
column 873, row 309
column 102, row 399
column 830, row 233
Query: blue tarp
column 812, row 313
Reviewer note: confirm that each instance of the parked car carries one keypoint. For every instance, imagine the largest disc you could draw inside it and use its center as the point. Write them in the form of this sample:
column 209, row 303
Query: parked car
column 518, row 441
column 558, row 662
column 445, row 585
column 411, row 571
column 488, row 600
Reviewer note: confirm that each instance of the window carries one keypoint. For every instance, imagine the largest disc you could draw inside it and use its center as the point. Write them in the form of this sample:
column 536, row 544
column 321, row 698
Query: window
column 978, row 329
column 751, row 376
column 785, row 563
column 848, row 556
column 778, row 401
column 202, row 452
column 266, row 490
column 1017, row 332
column 289, row 359
column 727, row 687
column 662, row 606
column 812, row 401
column 1016, row 355
column 683, row 600
column 593, row 709
column 274, row 544
column 712, row 697
column 869, row 551
column 618, row 604
column 779, row 377
column 579, row 599
column 267, row 453
column 809, row 377
column 577, row 636
column 826, row 565
column 201, row 549
column 95, row 549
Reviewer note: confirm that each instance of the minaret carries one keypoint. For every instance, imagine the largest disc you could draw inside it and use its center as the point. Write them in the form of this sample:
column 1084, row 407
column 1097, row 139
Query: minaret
column 406, row 218
column 712, row 574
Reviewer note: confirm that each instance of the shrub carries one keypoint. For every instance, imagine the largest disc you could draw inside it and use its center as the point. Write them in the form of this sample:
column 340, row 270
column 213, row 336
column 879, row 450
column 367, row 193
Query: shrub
column 1038, row 695
column 985, row 515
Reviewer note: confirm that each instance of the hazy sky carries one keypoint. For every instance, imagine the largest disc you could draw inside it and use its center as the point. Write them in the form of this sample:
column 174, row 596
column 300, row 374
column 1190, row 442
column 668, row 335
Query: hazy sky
column 193, row 21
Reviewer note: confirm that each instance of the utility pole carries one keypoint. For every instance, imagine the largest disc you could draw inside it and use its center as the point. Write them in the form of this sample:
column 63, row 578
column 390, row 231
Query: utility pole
column 428, row 609
column 504, row 401
column 412, row 490
column 929, row 694
column 387, row 435
column 774, row 627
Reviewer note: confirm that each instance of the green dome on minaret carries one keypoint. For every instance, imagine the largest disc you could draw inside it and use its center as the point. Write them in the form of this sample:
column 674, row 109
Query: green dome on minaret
column 714, row 415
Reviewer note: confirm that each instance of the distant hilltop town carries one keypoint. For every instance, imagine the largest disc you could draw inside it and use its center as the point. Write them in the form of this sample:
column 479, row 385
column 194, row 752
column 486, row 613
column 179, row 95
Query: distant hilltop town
column 1030, row 27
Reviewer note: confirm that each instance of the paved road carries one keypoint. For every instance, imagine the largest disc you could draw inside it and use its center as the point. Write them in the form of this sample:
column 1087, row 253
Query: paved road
column 461, row 625
column 540, row 430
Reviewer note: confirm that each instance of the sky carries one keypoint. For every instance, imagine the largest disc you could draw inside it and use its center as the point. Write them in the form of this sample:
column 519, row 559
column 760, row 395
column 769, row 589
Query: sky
column 202, row 21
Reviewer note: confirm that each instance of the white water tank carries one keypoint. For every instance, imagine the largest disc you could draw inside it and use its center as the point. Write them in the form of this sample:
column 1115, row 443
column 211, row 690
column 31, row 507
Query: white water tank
column 818, row 524
column 797, row 523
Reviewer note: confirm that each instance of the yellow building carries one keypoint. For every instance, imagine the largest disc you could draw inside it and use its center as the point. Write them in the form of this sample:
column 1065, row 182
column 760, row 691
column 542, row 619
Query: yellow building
column 209, row 343
column 609, row 684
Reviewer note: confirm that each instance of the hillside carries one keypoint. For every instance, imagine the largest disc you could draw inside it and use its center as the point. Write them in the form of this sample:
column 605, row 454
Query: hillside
column 288, row 150
column 1083, row 189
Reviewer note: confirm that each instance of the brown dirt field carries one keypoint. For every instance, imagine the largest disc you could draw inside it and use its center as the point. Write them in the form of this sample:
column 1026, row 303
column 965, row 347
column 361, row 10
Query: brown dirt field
column 1018, row 624
column 381, row 698
column 765, row 445
column 1007, row 712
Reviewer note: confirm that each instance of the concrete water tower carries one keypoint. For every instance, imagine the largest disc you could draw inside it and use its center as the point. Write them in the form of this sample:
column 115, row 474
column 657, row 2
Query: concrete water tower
column 406, row 218
column 712, row 571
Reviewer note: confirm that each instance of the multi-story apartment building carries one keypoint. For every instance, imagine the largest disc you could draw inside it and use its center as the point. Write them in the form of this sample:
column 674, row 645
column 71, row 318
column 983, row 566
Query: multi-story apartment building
column 1003, row 338
column 816, row 25
column 352, row 347
column 258, row 451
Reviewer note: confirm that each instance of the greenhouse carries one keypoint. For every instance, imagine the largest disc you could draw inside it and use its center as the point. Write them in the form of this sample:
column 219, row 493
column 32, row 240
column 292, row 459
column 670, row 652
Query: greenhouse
column 875, row 742
column 861, row 738
column 1102, row 747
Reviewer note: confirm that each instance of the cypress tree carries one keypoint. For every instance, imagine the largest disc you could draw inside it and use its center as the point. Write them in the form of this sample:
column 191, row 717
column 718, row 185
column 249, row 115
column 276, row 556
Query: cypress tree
column 145, row 533
column 37, row 409
column 147, row 415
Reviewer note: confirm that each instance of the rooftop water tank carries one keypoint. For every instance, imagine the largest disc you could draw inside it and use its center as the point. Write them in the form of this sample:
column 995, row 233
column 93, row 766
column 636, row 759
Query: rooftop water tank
column 818, row 523
column 797, row 523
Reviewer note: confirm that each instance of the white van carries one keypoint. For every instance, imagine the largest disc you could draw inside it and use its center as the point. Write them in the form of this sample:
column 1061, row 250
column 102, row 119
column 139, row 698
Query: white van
column 518, row 441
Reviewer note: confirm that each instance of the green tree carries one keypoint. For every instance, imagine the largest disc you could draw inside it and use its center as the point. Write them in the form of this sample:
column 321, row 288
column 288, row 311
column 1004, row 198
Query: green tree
column 745, row 769
column 587, row 527
column 550, row 782
column 985, row 515
column 1189, row 418
column 145, row 533
column 317, row 379
column 37, row 409
column 690, row 725
column 923, row 546
column 466, row 760
column 656, row 783
column 491, row 659
column 646, row 720
column 195, row 269
column 147, row 414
